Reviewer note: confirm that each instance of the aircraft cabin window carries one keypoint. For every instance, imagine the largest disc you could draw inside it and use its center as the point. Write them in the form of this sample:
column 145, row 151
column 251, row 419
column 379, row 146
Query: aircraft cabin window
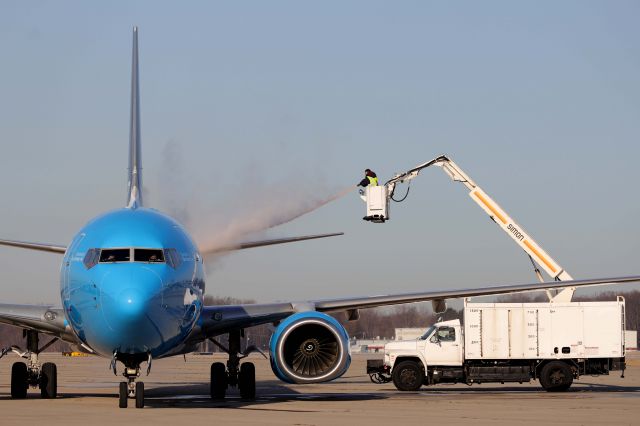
column 148, row 255
column 115, row 255
column 173, row 258
column 91, row 258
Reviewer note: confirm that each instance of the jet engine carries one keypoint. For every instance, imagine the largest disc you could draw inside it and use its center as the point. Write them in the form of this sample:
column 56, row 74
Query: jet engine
column 309, row 347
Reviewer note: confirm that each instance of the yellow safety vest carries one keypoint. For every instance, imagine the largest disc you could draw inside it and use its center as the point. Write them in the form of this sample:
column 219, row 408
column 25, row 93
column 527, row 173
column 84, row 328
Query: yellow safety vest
column 373, row 181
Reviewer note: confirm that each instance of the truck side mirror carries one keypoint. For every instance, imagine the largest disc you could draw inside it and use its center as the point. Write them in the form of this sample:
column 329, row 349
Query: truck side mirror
column 435, row 339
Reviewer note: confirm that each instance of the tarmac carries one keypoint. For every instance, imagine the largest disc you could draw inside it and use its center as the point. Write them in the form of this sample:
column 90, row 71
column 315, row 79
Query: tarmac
column 177, row 393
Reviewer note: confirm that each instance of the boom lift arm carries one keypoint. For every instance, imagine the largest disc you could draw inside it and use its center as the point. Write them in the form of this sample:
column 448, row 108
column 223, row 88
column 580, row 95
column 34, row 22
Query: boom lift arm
column 378, row 198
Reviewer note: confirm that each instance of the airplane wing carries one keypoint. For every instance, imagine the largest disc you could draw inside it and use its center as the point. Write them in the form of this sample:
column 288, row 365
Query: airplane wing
column 54, row 248
column 216, row 320
column 261, row 243
column 41, row 318
column 333, row 305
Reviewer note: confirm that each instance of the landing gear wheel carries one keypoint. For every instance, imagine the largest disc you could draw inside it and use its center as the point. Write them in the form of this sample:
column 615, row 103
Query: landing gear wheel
column 556, row 376
column 139, row 394
column 247, row 381
column 48, row 380
column 124, row 394
column 218, row 380
column 408, row 376
column 19, row 380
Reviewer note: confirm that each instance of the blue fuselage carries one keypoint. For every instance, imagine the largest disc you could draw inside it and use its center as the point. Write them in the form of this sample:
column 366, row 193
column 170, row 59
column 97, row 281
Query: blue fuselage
column 136, row 304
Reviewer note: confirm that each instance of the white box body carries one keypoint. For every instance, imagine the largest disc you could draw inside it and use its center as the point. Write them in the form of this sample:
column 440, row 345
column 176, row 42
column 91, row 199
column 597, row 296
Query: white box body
column 544, row 330
column 377, row 203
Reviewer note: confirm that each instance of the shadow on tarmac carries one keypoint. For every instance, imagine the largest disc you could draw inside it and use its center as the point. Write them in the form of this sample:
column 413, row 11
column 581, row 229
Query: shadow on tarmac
column 478, row 389
column 196, row 395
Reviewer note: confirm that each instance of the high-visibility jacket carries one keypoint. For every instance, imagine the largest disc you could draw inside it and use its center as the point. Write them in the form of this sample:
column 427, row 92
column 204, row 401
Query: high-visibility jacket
column 373, row 181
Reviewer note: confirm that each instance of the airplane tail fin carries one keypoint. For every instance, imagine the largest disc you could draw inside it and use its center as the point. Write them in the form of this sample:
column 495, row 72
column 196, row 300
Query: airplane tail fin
column 134, row 195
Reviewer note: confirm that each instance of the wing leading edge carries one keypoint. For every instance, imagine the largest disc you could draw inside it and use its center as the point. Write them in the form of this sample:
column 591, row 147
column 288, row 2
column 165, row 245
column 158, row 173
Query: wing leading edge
column 216, row 320
column 331, row 305
column 53, row 248
column 41, row 318
column 262, row 243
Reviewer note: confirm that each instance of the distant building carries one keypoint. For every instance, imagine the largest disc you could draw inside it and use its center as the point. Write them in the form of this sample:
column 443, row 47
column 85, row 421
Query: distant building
column 377, row 345
column 368, row 345
column 409, row 333
column 631, row 340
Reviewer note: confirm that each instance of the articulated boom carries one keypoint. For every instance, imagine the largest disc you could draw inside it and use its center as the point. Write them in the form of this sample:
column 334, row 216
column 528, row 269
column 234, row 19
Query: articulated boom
column 378, row 199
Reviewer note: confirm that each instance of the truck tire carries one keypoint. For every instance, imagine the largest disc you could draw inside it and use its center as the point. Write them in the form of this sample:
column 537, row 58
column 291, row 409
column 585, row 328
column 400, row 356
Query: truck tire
column 556, row 376
column 408, row 376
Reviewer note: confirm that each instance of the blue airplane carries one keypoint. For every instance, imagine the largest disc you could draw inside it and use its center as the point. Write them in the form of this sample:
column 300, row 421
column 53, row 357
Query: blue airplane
column 132, row 282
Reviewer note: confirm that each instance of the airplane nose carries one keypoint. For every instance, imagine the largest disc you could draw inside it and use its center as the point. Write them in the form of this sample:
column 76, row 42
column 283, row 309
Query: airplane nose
column 132, row 303
column 129, row 300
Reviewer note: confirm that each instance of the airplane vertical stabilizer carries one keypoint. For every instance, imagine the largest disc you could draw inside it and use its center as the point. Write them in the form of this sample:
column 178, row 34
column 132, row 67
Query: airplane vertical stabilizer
column 134, row 196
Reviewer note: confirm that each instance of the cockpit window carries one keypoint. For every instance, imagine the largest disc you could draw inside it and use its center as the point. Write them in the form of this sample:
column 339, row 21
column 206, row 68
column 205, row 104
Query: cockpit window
column 115, row 255
column 173, row 258
column 148, row 255
column 91, row 258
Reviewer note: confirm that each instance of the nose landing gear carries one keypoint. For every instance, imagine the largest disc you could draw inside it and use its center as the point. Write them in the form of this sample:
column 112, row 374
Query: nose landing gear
column 131, row 388
column 32, row 374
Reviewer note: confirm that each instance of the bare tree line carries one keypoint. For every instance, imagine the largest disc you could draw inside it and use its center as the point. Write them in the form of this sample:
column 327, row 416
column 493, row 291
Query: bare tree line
column 373, row 323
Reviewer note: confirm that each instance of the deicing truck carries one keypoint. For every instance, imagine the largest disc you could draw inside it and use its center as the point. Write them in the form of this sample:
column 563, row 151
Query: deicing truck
column 553, row 343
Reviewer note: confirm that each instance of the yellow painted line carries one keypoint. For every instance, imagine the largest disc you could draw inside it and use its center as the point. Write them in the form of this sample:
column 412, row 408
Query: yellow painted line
column 537, row 253
column 490, row 207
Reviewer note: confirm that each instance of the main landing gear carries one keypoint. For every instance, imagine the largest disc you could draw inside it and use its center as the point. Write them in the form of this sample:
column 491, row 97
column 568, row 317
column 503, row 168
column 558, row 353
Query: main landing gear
column 31, row 373
column 241, row 375
column 130, row 389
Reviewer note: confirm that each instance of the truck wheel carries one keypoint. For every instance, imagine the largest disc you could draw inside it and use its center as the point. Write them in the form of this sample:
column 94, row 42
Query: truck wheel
column 408, row 376
column 556, row 376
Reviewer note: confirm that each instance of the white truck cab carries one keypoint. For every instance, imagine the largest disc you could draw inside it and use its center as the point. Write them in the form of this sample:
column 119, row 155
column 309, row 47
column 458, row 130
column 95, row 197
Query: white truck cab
column 441, row 344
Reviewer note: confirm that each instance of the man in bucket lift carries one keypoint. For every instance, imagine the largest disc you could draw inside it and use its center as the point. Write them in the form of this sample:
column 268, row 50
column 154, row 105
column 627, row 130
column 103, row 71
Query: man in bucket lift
column 370, row 178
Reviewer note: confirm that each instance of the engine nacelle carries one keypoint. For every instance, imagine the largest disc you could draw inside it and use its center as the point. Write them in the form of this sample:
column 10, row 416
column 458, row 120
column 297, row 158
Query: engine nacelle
column 309, row 347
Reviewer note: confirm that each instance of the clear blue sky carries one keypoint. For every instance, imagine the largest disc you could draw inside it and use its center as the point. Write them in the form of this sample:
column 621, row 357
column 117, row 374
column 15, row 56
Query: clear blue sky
column 539, row 102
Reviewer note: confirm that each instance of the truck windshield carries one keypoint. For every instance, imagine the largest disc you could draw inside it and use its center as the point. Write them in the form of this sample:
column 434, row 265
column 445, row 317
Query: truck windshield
column 427, row 333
